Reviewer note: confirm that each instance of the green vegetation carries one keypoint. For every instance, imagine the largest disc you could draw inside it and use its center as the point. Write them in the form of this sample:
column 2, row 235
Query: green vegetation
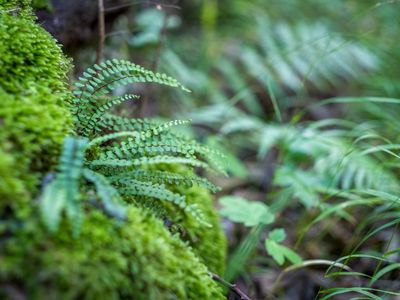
column 33, row 93
column 92, row 239
column 265, row 166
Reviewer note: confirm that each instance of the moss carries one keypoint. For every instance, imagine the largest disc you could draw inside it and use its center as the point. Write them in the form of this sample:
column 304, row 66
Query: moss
column 139, row 259
column 10, row 186
column 30, row 57
column 208, row 243
column 14, row 7
column 136, row 260
column 33, row 115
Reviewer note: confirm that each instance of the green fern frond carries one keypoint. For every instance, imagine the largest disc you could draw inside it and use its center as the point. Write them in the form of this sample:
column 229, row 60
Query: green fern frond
column 93, row 120
column 162, row 159
column 117, row 123
column 118, row 146
column 101, row 80
column 133, row 187
column 164, row 177
column 109, row 196
column 159, row 145
column 293, row 56
column 63, row 193
column 142, row 135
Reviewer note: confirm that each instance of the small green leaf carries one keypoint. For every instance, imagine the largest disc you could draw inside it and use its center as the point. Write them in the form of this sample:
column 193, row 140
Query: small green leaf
column 274, row 249
column 250, row 213
column 280, row 252
column 292, row 256
column 277, row 235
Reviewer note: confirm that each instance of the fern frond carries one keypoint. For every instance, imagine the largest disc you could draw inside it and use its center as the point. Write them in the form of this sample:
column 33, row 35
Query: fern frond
column 130, row 149
column 109, row 196
column 120, row 145
column 105, row 138
column 159, row 191
column 101, row 80
column 93, row 120
column 163, row 145
column 143, row 135
column 162, row 159
column 117, row 123
column 64, row 193
column 293, row 56
column 52, row 203
column 164, row 177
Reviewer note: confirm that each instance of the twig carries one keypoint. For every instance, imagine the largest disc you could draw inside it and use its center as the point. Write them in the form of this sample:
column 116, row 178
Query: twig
column 232, row 287
column 117, row 7
column 102, row 34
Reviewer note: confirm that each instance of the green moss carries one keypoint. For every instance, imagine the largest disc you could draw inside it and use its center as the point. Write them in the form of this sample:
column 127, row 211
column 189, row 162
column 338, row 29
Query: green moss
column 17, row 7
column 29, row 57
column 138, row 259
column 208, row 243
column 33, row 115
column 10, row 186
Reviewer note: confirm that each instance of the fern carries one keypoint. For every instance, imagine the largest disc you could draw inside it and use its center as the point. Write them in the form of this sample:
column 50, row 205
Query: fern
column 308, row 53
column 164, row 177
column 101, row 80
column 281, row 59
column 117, row 123
column 114, row 152
column 63, row 192
column 109, row 195
column 92, row 124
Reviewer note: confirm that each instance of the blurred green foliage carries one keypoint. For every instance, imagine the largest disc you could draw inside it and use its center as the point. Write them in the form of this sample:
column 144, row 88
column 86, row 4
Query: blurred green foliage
column 33, row 112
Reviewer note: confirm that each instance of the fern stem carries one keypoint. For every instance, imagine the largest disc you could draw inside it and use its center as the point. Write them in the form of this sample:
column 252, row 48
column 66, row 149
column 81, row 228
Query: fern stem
column 274, row 102
column 112, row 136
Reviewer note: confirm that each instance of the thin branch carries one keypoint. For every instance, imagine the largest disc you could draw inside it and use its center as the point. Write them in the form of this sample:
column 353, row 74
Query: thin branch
column 102, row 34
column 232, row 287
column 117, row 7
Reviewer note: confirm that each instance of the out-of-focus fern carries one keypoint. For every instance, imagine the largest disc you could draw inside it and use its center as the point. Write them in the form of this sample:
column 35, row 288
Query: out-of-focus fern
column 277, row 58
column 314, row 159
column 63, row 193
column 114, row 152
column 294, row 56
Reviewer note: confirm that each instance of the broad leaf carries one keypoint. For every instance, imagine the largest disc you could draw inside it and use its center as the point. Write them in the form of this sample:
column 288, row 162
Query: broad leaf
column 250, row 213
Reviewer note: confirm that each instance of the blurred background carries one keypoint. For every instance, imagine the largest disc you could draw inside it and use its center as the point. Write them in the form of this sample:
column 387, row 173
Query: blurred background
column 301, row 97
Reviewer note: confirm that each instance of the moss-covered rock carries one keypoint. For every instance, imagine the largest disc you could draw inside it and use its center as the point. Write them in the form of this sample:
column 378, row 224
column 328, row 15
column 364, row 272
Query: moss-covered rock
column 138, row 259
column 209, row 243
column 32, row 129
column 17, row 7
column 34, row 117
column 29, row 55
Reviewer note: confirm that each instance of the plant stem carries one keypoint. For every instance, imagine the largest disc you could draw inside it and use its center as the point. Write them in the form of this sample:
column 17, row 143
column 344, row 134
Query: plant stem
column 102, row 34
column 232, row 287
